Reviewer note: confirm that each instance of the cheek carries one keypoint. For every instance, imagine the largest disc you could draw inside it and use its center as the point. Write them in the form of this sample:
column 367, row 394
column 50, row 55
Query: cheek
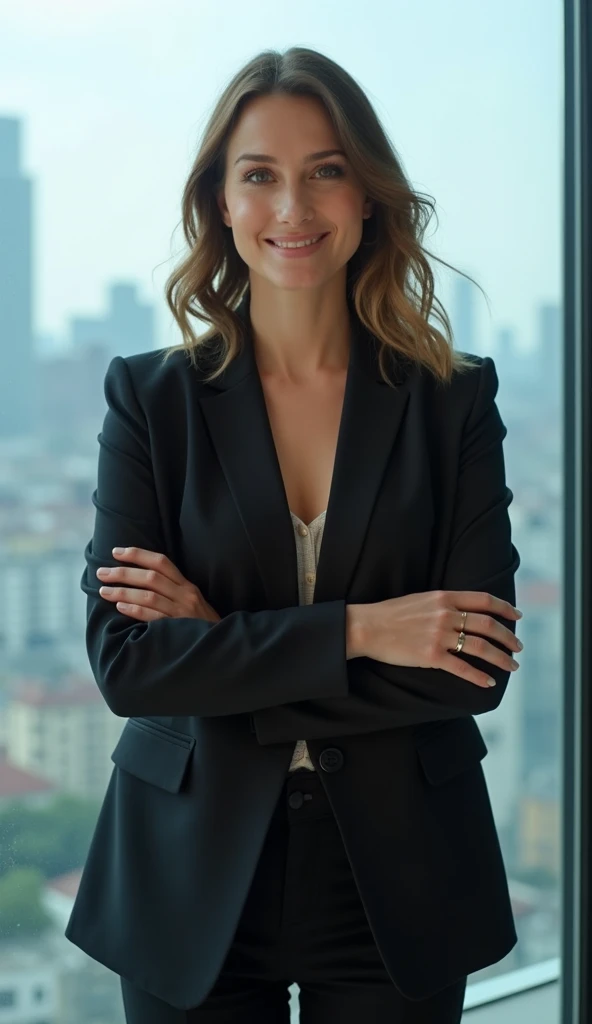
column 350, row 209
column 345, row 209
column 249, row 221
column 249, row 215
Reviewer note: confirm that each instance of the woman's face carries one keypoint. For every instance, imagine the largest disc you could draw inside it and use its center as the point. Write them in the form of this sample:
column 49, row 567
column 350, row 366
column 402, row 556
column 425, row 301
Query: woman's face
column 284, row 193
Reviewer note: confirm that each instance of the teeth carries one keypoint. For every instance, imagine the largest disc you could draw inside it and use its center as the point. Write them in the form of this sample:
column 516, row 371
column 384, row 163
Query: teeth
column 297, row 245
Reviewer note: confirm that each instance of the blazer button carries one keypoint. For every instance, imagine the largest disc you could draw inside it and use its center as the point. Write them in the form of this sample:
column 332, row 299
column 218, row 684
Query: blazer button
column 331, row 759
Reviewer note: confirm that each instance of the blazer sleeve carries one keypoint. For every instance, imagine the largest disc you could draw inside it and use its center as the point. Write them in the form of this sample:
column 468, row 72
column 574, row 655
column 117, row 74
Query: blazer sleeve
column 481, row 557
column 186, row 666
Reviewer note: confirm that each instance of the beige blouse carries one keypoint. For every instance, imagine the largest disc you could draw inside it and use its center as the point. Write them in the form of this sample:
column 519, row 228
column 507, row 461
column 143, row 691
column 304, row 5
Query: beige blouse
column 308, row 545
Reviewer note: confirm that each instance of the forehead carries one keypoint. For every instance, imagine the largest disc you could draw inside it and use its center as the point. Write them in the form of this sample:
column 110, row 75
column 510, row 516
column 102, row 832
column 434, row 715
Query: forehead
column 282, row 124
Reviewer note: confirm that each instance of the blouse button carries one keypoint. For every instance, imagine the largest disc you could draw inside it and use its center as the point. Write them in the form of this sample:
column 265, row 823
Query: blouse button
column 310, row 577
column 302, row 530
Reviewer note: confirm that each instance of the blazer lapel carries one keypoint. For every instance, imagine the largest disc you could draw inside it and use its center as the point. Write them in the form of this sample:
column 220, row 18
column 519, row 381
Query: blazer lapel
column 236, row 416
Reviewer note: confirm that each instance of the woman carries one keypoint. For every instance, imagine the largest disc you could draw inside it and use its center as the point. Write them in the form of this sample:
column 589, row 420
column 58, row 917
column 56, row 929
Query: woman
column 316, row 588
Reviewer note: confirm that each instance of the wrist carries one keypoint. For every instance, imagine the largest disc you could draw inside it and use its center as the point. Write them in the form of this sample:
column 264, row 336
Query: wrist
column 356, row 621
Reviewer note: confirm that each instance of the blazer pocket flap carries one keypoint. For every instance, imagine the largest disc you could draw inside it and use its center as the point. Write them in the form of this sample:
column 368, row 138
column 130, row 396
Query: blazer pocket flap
column 153, row 754
column 455, row 746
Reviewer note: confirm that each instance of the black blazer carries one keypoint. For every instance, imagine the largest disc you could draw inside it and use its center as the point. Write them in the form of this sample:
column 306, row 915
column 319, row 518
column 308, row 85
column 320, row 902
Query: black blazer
column 418, row 502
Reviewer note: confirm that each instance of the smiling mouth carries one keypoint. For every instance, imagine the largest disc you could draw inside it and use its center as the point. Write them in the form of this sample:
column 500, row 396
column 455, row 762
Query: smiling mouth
column 297, row 245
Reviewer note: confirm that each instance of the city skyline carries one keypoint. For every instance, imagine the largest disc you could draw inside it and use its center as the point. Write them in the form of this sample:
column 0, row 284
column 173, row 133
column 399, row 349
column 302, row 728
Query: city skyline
column 93, row 223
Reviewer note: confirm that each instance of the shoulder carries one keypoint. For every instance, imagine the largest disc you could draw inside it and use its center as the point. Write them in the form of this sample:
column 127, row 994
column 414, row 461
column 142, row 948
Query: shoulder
column 149, row 369
column 468, row 388
column 478, row 386
column 463, row 409
column 469, row 417
column 147, row 378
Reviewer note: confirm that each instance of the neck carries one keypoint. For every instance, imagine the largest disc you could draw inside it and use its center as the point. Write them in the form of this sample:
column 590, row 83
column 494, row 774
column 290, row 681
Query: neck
column 297, row 337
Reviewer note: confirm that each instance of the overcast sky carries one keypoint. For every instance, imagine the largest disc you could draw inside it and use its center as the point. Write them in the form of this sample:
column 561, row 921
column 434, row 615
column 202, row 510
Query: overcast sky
column 114, row 95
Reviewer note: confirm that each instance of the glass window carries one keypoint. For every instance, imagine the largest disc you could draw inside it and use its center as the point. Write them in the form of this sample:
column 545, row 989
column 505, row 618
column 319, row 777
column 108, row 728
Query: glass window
column 95, row 143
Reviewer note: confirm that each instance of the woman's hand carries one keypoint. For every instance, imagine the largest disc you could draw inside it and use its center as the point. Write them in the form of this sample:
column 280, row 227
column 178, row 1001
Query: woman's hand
column 422, row 630
column 156, row 591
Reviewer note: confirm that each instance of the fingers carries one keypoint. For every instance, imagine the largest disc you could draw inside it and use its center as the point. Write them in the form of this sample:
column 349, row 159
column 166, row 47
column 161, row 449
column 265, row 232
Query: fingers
column 146, row 601
column 480, row 648
column 120, row 575
column 150, row 560
column 484, row 625
column 161, row 590
column 451, row 663
column 480, row 601
column 136, row 611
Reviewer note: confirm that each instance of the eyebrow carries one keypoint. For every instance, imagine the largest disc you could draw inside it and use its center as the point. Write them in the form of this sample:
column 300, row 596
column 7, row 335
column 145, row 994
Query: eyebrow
column 264, row 157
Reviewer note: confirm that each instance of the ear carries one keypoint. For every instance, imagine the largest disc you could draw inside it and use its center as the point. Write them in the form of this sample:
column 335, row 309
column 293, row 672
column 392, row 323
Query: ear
column 221, row 201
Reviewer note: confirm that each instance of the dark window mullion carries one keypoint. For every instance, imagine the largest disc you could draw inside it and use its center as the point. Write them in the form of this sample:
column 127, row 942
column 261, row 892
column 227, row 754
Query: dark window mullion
column 576, row 950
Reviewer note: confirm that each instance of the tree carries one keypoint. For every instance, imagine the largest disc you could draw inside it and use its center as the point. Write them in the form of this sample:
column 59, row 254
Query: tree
column 22, row 914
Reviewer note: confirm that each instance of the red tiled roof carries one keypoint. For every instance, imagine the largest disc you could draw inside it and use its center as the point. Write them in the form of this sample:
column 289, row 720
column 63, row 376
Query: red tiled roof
column 67, row 883
column 15, row 782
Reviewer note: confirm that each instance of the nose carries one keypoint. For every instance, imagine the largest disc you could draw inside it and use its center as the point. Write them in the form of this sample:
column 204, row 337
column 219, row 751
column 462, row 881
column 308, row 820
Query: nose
column 293, row 206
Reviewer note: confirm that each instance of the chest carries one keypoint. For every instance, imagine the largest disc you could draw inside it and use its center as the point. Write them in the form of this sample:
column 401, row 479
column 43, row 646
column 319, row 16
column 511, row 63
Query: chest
column 305, row 421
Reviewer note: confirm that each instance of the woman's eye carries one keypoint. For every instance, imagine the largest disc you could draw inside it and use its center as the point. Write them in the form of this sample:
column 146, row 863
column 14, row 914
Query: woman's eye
column 332, row 167
column 250, row 175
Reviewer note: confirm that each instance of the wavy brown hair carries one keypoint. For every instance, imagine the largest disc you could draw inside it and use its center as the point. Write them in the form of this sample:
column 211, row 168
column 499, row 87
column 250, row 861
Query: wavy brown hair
column 389, row 281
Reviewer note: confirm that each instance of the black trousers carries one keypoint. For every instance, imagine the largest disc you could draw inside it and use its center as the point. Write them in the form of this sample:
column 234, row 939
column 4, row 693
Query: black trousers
column 303, row 922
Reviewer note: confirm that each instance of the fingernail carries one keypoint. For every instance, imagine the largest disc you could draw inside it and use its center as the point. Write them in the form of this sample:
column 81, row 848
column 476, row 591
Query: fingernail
column 518, row 613
column 118, row 551
column 491, row 682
